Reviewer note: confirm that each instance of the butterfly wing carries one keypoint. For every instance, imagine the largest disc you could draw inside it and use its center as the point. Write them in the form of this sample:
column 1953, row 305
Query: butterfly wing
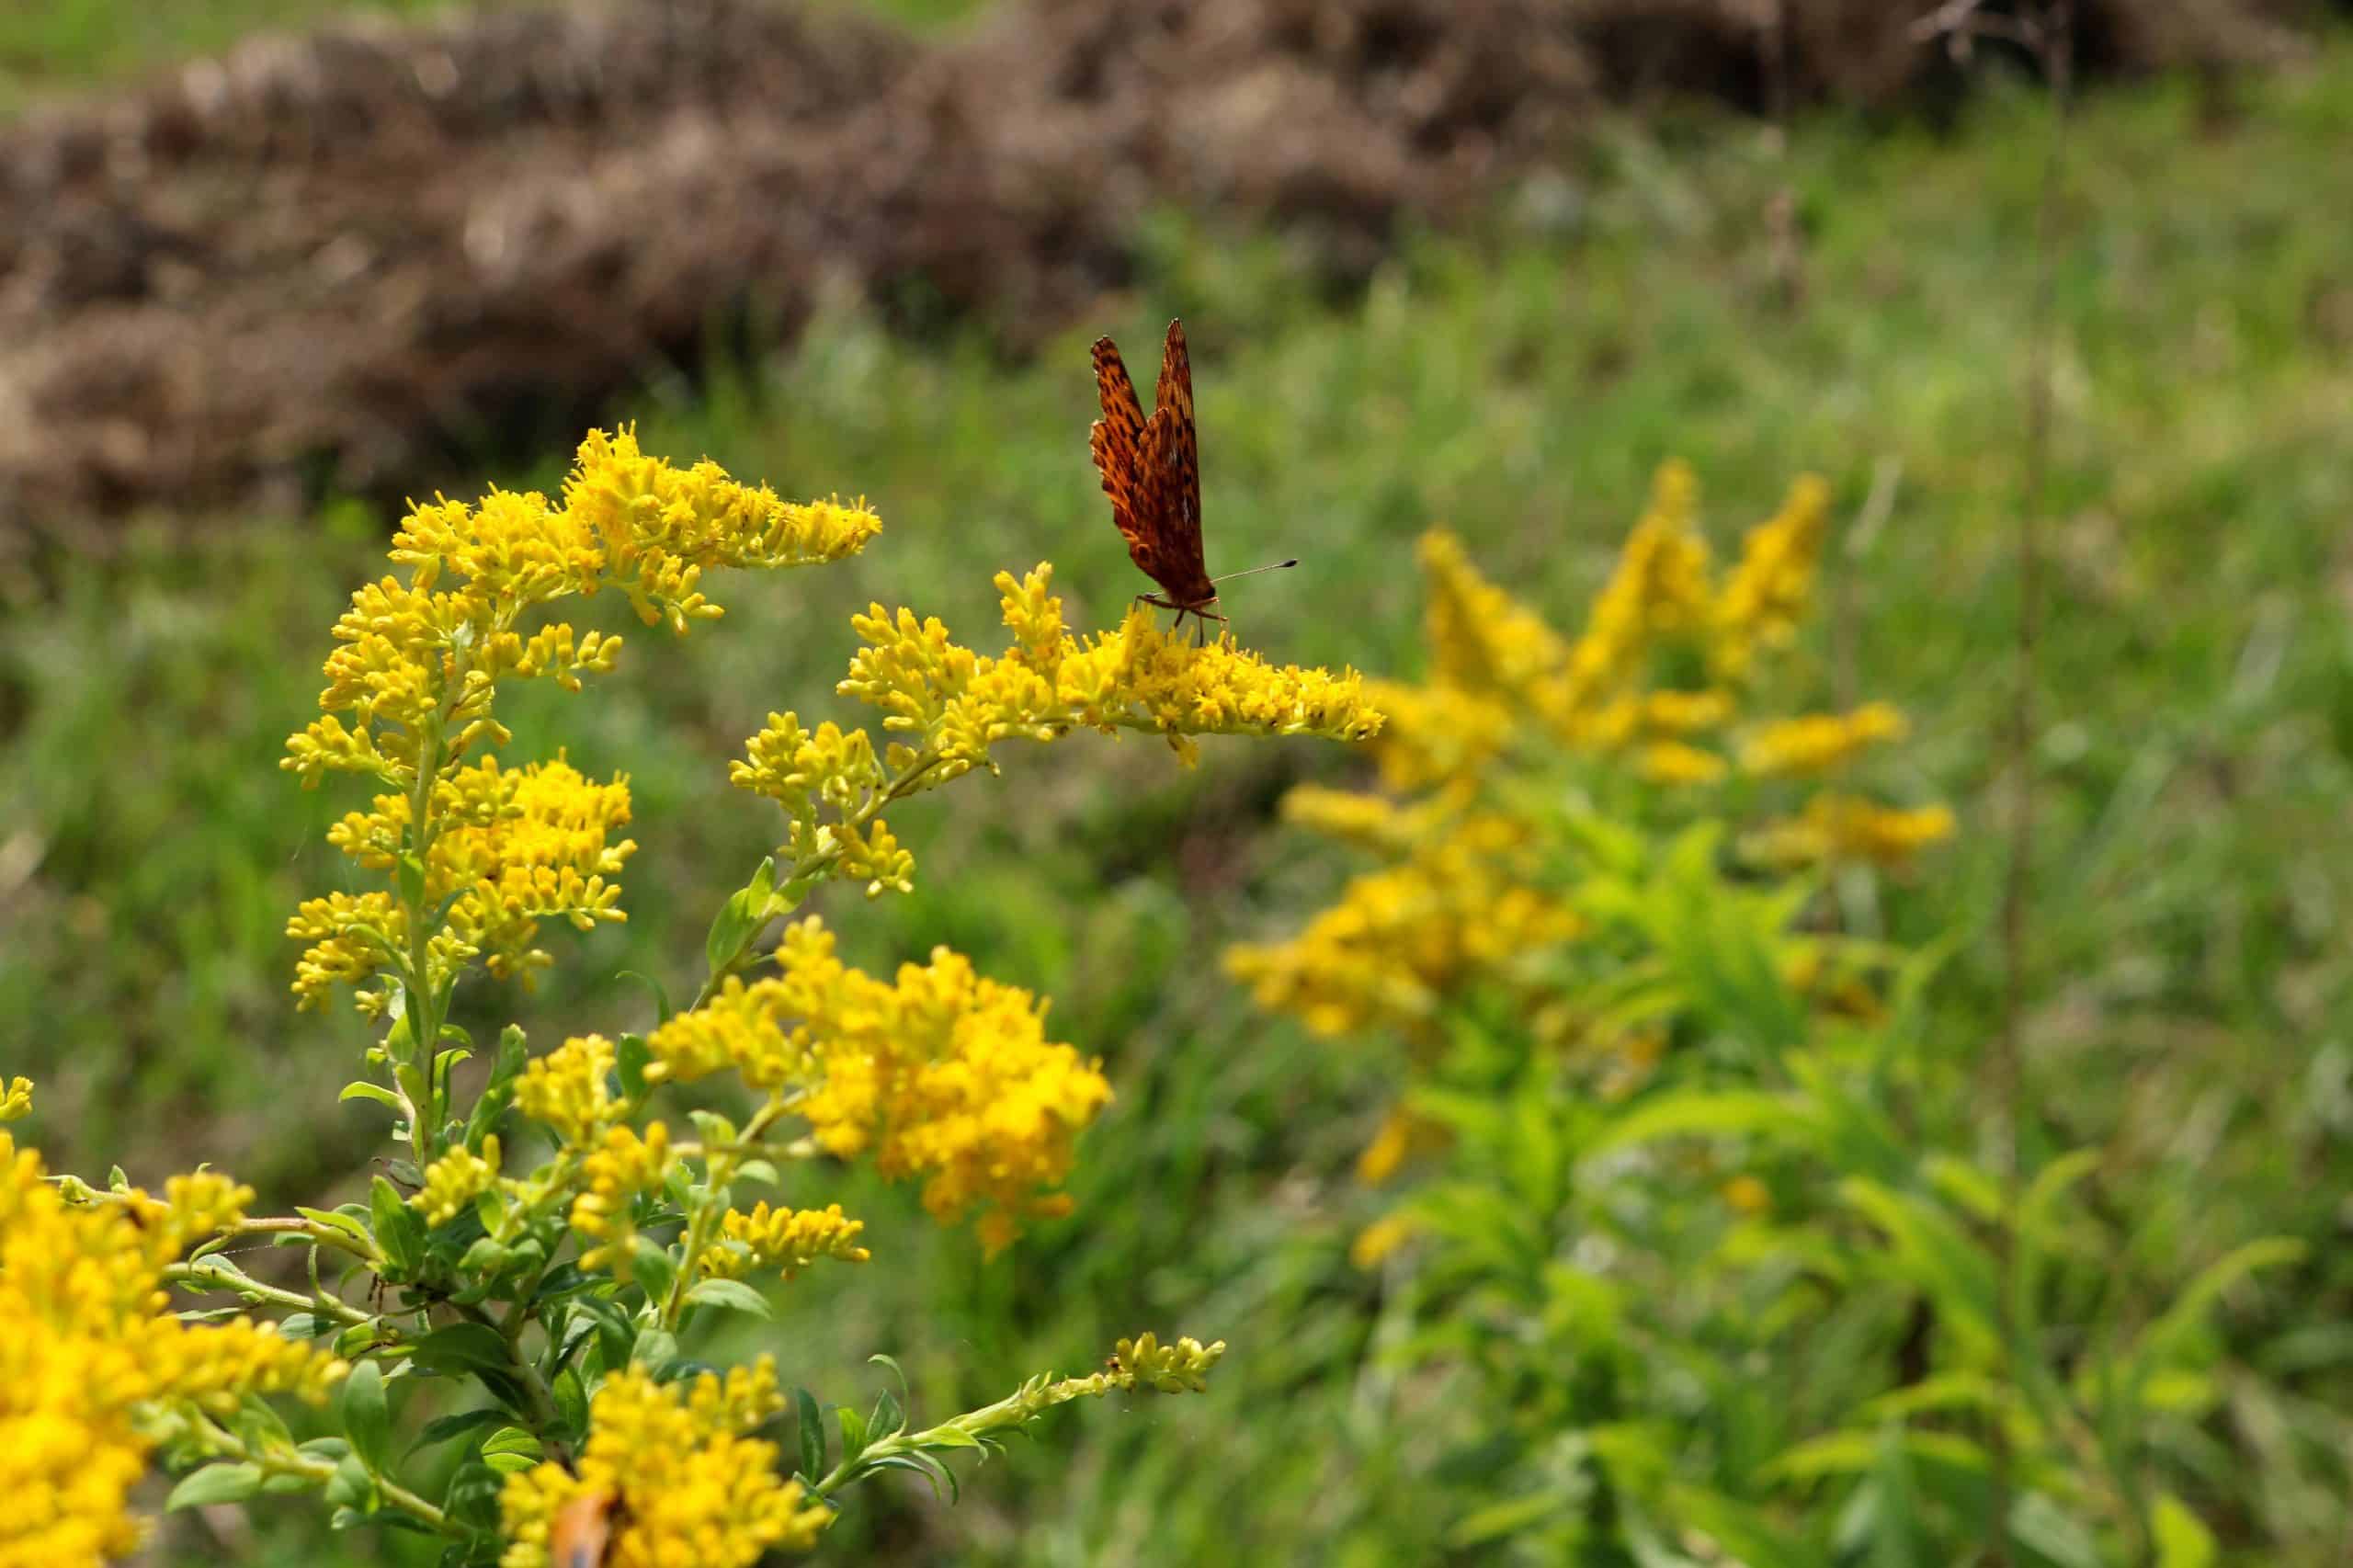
column 1172, row 466
column 1118, row 440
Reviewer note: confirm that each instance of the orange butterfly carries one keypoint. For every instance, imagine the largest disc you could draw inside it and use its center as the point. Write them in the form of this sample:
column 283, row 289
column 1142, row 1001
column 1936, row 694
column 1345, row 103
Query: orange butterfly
column 1152, row 472
column 582, row 1529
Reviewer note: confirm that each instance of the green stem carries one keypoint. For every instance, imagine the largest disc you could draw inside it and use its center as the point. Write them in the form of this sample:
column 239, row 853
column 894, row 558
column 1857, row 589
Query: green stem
column 199, row 1273
column 219, row 1441
column 900, row 787
column 718, row 1170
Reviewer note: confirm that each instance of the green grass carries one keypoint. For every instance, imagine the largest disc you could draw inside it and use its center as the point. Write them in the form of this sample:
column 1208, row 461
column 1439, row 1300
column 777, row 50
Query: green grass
column 2192, row 994
column 51, row 47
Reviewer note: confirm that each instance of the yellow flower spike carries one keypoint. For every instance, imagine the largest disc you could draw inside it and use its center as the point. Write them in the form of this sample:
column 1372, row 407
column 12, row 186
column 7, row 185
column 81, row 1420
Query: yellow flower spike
column 456, row 1179
column 1660, row 589
column 1847, row 828
column 567, row 1089
column 1397, row 939
column 1181, row 1367
column 200, row 1205
column 1480, row 638
column 1377, row 1242
column 1672, row 762
column 17, row 1103
column 785, row 1240
column 1767, row 592
column 688, row 1489
column 350, row 938
column 624, row 1166
column 1819, row 742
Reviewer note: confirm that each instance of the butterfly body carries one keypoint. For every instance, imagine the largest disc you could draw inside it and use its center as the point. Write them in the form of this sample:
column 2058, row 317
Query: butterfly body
column 1152, row 472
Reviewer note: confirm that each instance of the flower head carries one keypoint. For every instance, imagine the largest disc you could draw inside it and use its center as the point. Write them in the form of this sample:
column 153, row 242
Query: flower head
column 688, row 1488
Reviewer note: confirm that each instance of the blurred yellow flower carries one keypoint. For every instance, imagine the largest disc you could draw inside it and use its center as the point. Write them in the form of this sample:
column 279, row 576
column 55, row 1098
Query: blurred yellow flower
column 1844, row 827
column 1818, row 743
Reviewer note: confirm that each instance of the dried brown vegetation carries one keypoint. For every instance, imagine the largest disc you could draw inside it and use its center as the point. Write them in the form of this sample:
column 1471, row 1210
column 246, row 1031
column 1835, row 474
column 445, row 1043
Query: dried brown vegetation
column 352, row 258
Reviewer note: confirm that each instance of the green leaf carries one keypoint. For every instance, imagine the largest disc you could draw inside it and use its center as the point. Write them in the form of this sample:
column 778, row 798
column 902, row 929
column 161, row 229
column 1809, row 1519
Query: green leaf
column 930, row 1469
column 351, row 1486
column 511, row 1440
column 464, row 1348
column 762, row 1171
column 335, row 1219
column 654, row 1267
column 361, row 1089
column 715, row 1129
column 730, row 930
column 656, row 1348
column 655, row 989
column 2039, row 1524
column 412, row 881
column 368, row 1416
column 629, row 1062
column 261, row 1428
column 732, row 1295
column 2182, row 1539
column 888, row 1420
column 2165, row 1338
column 399, row 1230
column 441, row 1428
column 1500, row 1519
column 812, row 1422
column 215, row 1484
column 853, row 1426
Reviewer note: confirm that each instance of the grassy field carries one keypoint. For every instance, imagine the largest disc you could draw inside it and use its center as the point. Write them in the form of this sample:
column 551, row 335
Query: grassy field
column 2191, row 991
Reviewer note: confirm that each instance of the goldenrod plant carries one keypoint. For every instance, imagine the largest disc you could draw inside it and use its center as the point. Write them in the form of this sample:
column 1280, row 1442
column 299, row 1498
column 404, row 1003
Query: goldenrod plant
column 1685, row 1170
column 539, row 1259
column 1660, row 713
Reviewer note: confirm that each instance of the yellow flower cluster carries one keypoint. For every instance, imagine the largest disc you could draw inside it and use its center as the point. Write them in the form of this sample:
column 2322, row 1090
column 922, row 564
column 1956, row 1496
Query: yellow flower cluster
column 786, row 1240
column 456, row 1179
column 1181, row 1367
column 1639, row 709
column 16, row 1101
column 89, row 1359
column 512, row 847
column 621, row 1168
column 1847, row 828
column 1461, row 902
column 570, row 1090
column 945, row 1074
column 1818, row 743
column 947, row 707
column 412, row 686
column 684, row 1484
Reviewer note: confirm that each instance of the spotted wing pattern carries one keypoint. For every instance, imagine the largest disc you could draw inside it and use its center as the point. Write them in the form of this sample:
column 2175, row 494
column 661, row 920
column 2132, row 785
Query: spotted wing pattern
column 1118, row 439
column 1152, row 470
column 1173, row 460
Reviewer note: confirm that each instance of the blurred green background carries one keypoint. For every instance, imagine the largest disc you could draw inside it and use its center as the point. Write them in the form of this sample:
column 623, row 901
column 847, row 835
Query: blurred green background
column 1517, row 379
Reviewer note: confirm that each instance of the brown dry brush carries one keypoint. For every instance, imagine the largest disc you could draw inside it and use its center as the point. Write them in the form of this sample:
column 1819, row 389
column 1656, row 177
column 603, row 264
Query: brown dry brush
column 356, row 259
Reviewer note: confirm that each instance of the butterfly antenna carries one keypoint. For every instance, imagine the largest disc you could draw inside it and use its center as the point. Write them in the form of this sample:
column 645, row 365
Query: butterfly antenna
column 1271, row 566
